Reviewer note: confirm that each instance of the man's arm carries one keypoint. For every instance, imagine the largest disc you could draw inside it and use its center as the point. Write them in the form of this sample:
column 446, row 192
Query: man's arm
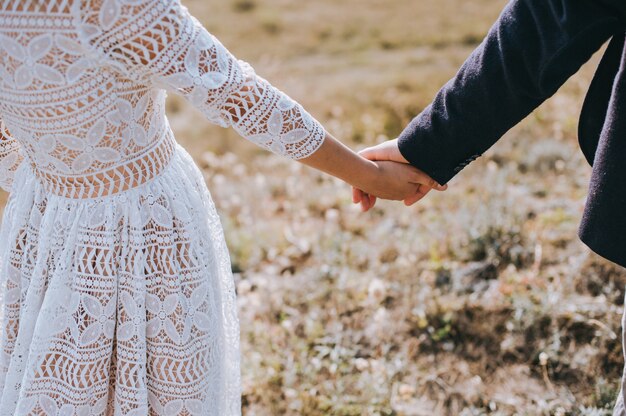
column 618, row 6
column 533, row 48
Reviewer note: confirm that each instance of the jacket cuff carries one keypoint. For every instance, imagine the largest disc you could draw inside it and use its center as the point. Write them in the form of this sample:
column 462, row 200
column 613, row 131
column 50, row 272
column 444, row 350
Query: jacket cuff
column 421, row 151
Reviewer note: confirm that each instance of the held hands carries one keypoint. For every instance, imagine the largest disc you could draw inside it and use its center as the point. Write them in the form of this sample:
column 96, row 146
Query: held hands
column 379, row 171
column 395, row 179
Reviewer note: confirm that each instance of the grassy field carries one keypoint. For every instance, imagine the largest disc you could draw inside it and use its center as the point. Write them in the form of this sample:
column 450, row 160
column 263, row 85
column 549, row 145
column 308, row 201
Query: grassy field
column 478, row 301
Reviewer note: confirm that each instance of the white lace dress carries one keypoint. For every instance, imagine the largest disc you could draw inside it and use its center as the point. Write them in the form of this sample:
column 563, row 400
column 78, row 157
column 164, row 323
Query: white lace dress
column 117, row 295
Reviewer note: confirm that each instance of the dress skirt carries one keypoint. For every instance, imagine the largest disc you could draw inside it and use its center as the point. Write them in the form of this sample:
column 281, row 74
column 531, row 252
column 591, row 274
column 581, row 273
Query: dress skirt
column 121, row 305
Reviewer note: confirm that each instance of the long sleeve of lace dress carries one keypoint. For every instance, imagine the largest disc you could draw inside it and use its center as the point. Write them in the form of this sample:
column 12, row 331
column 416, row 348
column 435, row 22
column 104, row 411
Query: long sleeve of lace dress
column 10, row 158
column 159, row 42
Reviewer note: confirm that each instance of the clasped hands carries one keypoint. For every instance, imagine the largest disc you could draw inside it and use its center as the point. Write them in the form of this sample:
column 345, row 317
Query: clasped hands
column 396, row 179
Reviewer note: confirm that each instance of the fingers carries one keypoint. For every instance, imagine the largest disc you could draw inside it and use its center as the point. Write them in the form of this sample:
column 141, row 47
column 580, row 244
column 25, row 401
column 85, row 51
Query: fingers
column 421, row 178
column 375, row 153
column 422, row 191
column 373, row 200
column 438, row 187
column 360, row 197
column 357, row 195
column 365, row 203
column 368, row 202
column 400, row 177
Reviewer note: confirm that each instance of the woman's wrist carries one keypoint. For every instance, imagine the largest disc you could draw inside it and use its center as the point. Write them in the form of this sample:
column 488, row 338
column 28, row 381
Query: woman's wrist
column 335, row 158
column 365, row 175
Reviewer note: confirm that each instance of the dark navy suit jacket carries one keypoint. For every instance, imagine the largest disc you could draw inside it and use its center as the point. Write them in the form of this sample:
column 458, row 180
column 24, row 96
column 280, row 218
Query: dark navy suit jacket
column 533, row 48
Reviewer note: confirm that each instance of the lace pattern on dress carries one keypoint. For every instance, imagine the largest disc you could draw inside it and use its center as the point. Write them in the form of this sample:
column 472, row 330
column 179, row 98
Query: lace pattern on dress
column 10, row 157
column 158, row 42
column 82, row 90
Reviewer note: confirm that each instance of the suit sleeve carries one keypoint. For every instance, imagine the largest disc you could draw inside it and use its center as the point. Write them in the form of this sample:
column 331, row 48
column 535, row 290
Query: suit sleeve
column 533, row 48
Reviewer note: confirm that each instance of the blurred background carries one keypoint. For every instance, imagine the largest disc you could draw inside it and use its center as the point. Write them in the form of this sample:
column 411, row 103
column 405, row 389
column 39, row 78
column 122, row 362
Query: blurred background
column 477, row 301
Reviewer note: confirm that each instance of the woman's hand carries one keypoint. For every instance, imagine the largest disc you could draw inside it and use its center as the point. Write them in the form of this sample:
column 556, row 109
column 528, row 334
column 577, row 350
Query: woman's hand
column 388, row 152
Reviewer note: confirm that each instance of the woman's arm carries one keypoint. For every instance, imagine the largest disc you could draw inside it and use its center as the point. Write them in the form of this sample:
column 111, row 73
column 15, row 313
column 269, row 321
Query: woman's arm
column 163, row 45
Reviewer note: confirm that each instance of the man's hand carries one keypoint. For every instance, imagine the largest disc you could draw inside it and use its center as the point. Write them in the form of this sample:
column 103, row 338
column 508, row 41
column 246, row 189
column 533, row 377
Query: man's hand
column 389, row 152
column 385, row 151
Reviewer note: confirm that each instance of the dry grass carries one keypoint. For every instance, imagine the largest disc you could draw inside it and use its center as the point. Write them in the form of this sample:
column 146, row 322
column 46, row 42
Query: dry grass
column 477, row 301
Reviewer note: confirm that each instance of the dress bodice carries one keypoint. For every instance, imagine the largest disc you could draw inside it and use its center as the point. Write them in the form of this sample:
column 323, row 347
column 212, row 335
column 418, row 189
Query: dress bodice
column 83, row 91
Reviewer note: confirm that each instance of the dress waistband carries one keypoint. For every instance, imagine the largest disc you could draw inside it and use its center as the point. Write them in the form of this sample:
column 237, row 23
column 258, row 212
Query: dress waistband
column 131, row 174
